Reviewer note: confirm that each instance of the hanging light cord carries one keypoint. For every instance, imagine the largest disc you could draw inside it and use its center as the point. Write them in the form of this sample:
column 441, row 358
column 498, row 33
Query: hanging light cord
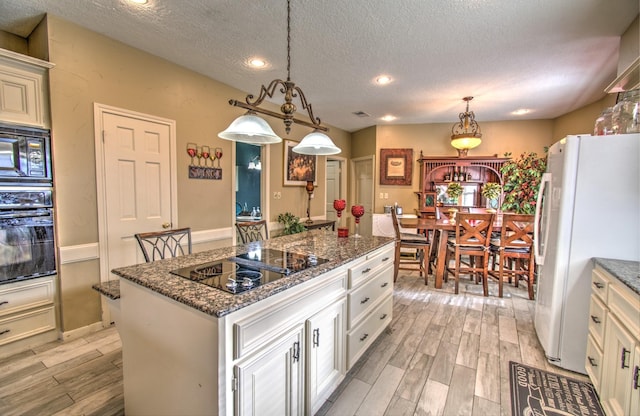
column 288, row 40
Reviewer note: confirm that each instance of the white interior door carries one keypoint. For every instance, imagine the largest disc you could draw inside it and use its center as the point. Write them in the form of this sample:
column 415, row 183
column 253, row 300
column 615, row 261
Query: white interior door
column 363, row 191
column 333, row 186
column 135, row 158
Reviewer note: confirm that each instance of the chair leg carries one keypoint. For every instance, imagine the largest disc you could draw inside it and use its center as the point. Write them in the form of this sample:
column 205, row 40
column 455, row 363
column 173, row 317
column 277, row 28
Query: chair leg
column 500, row 277
column 396, row 263
column 456, row 274
column 532, row 267
column 485, row 274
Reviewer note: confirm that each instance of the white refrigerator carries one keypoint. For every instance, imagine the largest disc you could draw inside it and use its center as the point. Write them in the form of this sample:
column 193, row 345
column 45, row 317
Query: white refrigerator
column 588, row 206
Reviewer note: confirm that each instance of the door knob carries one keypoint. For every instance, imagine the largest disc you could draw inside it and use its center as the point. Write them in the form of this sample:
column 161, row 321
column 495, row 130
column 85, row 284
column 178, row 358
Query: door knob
column 166, row 225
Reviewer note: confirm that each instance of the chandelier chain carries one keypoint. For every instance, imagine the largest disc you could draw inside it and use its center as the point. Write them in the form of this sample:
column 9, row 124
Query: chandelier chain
column 288, row 40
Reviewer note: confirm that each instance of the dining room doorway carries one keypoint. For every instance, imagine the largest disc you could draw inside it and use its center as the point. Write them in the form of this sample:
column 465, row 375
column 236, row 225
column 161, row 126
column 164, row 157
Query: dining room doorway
column 362, row 194
column 249, row 168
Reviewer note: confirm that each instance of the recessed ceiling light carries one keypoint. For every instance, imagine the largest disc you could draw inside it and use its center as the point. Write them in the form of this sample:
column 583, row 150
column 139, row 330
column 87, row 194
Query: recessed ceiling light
column 139, row 1
column 388, row 117
column 257, row 63
column 383, row 79
column 521, row 112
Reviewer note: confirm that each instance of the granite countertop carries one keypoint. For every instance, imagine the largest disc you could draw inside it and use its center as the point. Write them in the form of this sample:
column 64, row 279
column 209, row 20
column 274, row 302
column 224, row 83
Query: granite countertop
column 324, row 244
column 627, row 271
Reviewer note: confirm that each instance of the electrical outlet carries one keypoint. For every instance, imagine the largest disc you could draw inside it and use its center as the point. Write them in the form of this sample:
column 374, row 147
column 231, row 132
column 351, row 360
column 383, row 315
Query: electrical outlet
column 386, row 195
column 381, row 195
column 277, row 195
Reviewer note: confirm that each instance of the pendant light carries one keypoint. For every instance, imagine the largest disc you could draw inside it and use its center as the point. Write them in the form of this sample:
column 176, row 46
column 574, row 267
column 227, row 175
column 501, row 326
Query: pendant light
column 252, row 129
column 466, row 134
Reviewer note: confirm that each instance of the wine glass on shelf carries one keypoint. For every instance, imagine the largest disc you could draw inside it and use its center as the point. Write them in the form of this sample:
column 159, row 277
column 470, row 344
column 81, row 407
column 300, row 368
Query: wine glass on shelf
column 192, row 150
column 206, row 152
column 218, row 154
column 199, row 155
column 357, row 211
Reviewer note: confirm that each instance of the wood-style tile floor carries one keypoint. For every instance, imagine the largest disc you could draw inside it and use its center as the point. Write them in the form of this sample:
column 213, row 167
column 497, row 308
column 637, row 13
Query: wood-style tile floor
column 443, row 354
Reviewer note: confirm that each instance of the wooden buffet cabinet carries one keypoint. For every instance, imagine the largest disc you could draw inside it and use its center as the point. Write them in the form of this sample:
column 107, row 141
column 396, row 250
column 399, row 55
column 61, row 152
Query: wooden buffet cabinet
column 436, row 172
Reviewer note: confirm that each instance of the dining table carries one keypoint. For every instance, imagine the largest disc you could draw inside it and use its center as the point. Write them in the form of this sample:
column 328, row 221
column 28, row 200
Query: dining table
column 441, row 226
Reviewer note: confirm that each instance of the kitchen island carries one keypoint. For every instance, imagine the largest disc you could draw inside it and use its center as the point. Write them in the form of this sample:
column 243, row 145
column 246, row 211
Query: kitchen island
column 280, row 348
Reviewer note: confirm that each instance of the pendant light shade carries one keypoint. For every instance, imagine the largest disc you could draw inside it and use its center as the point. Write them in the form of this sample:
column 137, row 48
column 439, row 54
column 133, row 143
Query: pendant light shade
column 316, row 143
column 250, row 128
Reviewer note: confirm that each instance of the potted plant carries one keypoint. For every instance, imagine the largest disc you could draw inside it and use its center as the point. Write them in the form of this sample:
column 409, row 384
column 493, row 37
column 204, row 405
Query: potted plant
column 454, row 190
column 292, row 224
column 491, row 191
column 521, row 178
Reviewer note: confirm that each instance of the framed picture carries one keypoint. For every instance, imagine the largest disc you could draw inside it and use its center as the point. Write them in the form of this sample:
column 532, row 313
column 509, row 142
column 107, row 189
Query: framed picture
column 396, row 166
column 298, row 169
column 429, row 200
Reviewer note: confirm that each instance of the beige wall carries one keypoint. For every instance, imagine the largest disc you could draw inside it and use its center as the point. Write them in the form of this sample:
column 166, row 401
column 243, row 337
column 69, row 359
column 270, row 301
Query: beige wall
column 434, row 140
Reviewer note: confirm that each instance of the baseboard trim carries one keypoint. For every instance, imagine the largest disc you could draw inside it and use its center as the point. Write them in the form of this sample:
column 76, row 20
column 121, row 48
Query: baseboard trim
column 82, row 331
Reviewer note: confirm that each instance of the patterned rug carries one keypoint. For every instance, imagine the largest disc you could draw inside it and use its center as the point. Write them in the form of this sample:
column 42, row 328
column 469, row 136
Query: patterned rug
column 536, row 392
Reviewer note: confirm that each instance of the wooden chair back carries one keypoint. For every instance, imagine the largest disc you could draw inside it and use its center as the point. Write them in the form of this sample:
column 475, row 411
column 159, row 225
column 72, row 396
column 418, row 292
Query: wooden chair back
column 252, row 231
column 517, row 231
column 473, row 230
column 159, row 245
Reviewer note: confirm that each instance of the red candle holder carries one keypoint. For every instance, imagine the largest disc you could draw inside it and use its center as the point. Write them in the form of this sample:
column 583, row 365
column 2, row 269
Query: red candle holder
column 357, row 211
column 339, row 205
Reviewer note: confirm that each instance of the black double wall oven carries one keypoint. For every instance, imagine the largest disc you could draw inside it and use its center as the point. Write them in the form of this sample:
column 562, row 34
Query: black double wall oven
column 27, row 245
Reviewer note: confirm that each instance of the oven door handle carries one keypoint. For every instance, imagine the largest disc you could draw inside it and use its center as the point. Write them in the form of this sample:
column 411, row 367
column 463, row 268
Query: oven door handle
column 25, row 214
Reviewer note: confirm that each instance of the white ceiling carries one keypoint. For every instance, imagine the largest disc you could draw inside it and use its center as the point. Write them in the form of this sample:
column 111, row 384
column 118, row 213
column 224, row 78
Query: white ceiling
column 550, row 56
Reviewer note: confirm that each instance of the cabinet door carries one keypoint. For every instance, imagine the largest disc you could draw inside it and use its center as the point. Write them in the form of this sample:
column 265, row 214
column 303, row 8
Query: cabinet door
column 619, row 351
column 635, row 384
column 326, row 359
column 271, row 381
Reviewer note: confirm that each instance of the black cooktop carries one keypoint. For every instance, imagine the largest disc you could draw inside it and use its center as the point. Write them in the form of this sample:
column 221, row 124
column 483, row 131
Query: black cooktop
column 248, row 271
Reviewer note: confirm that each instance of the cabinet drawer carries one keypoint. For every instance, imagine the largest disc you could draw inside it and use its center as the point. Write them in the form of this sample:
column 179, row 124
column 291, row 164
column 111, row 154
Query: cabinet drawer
column 268, row 323
column 599, row 284
column 368, row 295
column 593, row 363
column 18, row 296
column 597, row 317
column 625, row 304
column 365, row 269
column 362, row 336
column 27, row 324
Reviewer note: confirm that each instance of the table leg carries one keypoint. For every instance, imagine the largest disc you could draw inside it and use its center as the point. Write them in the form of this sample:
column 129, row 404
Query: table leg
column 440, row 261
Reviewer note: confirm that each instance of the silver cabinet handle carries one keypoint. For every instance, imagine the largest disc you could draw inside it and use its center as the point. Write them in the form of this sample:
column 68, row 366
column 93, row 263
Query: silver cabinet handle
column 595, row 319
column 365, row 300
column 384, row 315
column 296, row 351
column 5, row 331
column 598, row 285
column 4, row 302
column 316, row 337
column 385, row 284
column 385, row 259
column 592, row 362
column 365, row 336
column 367, row 270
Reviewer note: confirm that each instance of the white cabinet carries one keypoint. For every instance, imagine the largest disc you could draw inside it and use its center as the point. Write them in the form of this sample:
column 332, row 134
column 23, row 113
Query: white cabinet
column 27, row 309
column 23, row 89
column 325, row 353
column 370, row 301
column 270, row 382
column 613, row 349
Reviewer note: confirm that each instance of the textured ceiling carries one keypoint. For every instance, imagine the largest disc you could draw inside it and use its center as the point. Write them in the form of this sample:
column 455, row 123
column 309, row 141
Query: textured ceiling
column 550, row 56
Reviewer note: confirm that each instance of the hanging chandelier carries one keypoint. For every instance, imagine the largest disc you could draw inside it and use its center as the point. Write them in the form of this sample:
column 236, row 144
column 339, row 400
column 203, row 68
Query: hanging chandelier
column 249, row 128
column 466, row 134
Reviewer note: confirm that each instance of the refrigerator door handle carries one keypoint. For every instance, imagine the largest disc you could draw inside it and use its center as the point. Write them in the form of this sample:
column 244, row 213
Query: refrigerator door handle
column 539, row 257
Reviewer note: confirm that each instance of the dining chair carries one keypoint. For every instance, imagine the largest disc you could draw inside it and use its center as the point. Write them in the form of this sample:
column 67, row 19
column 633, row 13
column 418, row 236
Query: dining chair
column 252, row 231
column 514, row 251
column 417, row 242
column 158, row 245
column 471, row 238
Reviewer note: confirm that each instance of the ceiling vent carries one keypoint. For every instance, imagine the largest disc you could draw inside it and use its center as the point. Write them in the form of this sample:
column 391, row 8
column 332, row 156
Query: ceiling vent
column 361, row 114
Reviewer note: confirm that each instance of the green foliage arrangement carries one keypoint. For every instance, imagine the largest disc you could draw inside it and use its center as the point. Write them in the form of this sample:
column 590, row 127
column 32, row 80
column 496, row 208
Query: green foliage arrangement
column 521, row 179
column 491, row 190
column 292, row 224
column 454, row 190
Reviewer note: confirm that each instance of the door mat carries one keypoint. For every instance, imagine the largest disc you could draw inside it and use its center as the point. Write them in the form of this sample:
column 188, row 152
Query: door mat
column 536, row 392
